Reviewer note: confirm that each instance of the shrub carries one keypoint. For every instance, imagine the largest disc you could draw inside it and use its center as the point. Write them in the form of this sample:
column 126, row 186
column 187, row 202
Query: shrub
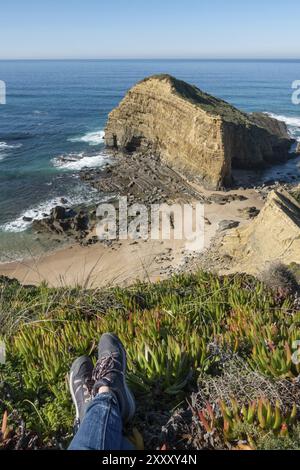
column 280, row 279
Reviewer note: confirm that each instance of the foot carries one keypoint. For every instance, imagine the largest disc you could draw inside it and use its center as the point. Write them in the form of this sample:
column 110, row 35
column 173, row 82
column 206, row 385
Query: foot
column 81, row 385
column 110, row 372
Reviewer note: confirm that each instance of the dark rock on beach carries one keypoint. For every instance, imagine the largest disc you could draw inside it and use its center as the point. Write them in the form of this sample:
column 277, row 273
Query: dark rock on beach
column 142, row 178
column 81, row 222
column 228, row 225
column 250, row 212
column 63, row 221
column 225, row 199
column 58, row 213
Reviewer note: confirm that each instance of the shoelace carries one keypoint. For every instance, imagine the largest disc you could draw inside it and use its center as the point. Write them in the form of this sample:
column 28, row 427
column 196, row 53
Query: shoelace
column 105, row 366
column 87, row 387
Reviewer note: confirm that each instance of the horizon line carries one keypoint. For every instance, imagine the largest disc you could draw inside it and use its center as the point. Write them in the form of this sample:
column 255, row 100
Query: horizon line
column 219, row 59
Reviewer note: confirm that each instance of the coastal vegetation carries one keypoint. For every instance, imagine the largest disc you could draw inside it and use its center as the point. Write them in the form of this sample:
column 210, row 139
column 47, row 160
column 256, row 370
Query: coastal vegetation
column 213, row 359
column 210, row 360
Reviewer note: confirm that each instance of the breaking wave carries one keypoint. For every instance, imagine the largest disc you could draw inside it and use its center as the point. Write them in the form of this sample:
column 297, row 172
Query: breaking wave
column 43, row 209
column 293, row 124
column 78, row 161
column 91, row 138
column 5, row 148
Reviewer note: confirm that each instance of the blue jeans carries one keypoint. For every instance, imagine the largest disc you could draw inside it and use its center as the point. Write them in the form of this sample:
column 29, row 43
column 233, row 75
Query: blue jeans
column 101, row 428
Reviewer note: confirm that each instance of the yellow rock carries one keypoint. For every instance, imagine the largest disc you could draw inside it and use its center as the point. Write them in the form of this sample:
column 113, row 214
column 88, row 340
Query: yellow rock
column 194, row 132
column 273, row 236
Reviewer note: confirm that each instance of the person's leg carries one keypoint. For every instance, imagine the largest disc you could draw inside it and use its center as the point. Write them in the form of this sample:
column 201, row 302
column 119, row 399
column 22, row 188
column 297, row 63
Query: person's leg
column 100, row 420
column 110, row 372
column 81, row 385
column 101, row 428
column 126, row 445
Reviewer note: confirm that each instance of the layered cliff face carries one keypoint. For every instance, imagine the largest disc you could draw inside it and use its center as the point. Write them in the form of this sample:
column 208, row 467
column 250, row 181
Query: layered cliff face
column 194, row 132
column 273, row 236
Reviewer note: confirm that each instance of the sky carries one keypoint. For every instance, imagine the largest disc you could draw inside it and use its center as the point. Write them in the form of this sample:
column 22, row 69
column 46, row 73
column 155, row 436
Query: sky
column 97, row 29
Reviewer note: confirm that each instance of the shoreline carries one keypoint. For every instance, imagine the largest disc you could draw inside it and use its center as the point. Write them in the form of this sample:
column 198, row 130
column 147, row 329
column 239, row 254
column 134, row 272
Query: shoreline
column 74, row 261
column 125, row 262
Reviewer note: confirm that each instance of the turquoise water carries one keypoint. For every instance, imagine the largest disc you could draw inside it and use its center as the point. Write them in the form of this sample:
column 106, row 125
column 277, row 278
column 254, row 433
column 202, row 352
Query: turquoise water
column 56, row 111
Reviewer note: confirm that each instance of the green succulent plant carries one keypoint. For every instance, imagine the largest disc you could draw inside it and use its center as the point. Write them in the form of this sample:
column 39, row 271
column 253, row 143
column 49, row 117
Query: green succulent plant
column 167, row 328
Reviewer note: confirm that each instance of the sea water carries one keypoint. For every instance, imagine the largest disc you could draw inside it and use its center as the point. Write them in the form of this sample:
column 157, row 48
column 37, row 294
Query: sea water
column 53, row 121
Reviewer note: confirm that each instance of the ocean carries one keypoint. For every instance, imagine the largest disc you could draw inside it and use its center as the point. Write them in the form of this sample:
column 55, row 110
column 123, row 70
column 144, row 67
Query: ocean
column 52, row 125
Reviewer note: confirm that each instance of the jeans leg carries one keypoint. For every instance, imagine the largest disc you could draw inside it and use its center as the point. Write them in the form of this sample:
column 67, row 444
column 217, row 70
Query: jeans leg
column 126, row 445
column 101, row 428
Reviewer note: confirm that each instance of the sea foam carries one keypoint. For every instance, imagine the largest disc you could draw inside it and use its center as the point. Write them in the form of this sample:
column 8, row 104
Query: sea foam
column 91, row 138
column 41, row 210
column 6, row 148
column 77, row 161
column 293, row 124
column 290, row 121
column 37, row 213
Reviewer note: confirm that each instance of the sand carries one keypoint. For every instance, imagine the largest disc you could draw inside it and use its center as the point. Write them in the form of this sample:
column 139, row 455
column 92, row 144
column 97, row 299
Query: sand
column 125, row 262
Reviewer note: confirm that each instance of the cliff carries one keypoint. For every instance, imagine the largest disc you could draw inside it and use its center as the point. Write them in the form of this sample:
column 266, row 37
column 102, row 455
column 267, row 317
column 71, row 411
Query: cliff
column 191, row 131
column 273, row 236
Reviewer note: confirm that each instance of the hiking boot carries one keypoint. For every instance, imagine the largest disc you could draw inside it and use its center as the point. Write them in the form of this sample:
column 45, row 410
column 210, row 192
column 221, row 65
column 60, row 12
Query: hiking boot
column 110, row 372
column 81, row 385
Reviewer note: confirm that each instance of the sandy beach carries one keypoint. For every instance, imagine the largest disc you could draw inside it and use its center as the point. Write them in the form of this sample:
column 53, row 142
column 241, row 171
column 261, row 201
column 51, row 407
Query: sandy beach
column 127, row 261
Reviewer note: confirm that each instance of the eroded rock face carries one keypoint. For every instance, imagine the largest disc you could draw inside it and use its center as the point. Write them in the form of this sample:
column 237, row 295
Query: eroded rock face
column 274, row 235
column 194, row 132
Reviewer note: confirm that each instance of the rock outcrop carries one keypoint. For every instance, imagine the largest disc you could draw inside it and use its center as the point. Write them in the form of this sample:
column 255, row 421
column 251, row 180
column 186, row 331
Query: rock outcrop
column 63, row 221
column 194, row 132
column 274, row 235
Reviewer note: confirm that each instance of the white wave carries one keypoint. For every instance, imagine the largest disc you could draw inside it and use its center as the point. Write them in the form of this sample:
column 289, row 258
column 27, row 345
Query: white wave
column 5, row 146
column 76, row 162
column 37, row 213
column 293, row 124
column 43, row 209
column 38, row 112
column 91, row 138
column 290, row 121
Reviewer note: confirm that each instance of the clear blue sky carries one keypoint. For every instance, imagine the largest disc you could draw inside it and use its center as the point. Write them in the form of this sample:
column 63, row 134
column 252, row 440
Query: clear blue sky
column 149, row 29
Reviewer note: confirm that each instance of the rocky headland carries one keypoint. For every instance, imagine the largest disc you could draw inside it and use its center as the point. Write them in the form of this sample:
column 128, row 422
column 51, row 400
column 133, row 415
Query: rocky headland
column 169, row 142
column 193, row 132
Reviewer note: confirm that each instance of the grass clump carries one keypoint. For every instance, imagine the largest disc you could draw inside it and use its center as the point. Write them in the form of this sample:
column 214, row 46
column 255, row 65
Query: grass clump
column 281, row 279
column 174, row 333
